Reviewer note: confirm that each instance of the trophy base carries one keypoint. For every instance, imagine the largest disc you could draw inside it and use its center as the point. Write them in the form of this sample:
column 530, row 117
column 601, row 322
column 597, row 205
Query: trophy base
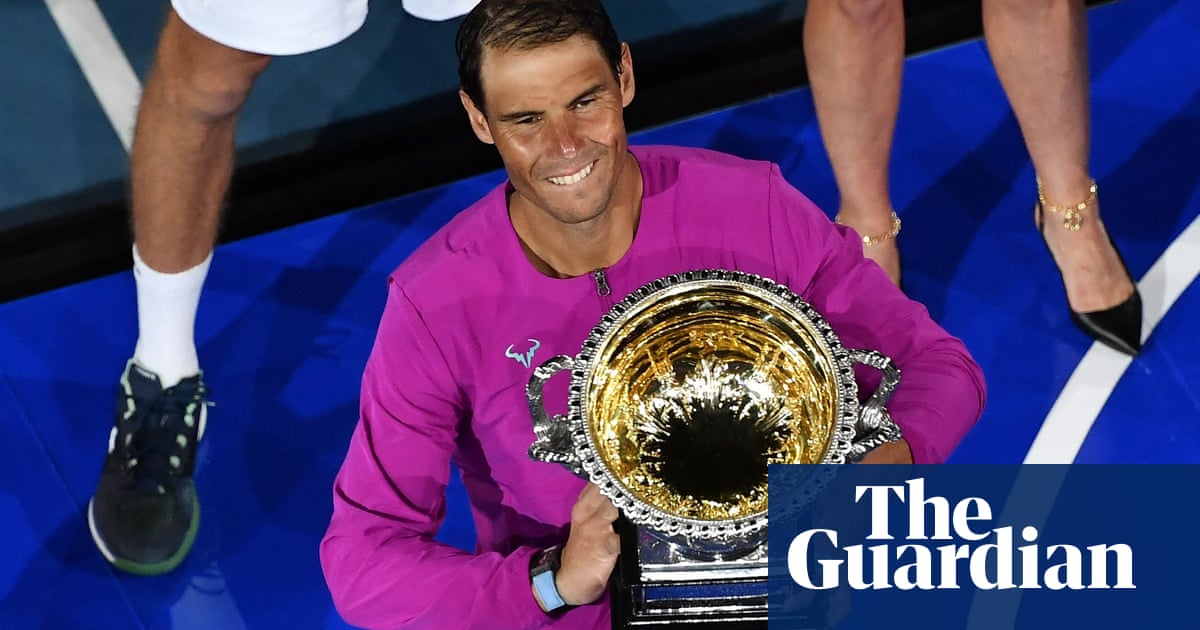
column 656, row 587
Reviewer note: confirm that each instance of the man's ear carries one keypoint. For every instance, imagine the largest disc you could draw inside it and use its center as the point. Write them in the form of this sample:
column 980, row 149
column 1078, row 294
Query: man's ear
column 479, row 123
column 628, row 86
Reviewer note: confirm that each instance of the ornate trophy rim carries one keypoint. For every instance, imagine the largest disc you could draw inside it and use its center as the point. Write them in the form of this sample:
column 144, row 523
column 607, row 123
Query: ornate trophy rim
column 638, row 511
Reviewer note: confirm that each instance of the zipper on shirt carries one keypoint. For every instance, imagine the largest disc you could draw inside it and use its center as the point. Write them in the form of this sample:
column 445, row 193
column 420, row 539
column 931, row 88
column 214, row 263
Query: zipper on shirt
column 602, row 288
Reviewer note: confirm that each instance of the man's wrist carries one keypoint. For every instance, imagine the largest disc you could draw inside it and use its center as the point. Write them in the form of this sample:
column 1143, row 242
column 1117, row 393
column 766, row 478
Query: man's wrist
column 898, row 452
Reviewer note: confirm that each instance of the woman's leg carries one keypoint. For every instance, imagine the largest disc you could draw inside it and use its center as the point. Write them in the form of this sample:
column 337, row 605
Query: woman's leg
column 855, row 51
column 1039, row 49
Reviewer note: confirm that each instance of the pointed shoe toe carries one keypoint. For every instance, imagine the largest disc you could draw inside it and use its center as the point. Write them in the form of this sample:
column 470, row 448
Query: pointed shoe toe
column 1119, row 327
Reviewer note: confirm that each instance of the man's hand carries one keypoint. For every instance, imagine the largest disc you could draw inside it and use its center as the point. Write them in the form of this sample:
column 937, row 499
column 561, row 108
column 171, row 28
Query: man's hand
column 889, row 453
column 591, row 550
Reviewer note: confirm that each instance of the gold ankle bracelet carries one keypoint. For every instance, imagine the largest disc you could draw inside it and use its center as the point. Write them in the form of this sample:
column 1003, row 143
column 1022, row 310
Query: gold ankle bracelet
column 1072, row 215
column 868, row 241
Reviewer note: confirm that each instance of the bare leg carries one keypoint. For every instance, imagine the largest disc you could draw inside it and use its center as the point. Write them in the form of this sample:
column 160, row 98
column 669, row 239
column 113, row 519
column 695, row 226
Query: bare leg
column 183, row 153
column 183, row 147
column 1039, row 49
column 855, row 54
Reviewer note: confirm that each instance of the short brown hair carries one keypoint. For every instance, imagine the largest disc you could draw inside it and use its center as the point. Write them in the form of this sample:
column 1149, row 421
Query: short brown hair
column 528, row 24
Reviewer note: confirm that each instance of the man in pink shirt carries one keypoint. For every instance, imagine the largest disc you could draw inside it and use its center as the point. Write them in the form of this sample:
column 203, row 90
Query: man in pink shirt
column 523, row 275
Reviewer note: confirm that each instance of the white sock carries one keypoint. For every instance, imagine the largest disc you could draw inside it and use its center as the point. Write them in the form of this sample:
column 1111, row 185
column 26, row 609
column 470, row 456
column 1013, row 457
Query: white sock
column 167, row 304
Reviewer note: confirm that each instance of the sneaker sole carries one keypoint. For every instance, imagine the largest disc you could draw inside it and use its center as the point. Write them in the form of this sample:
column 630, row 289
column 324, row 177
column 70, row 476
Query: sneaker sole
column 139, row 568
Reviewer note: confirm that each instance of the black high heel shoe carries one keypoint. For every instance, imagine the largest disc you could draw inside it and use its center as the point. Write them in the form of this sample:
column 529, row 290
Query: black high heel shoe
column 1118, row 327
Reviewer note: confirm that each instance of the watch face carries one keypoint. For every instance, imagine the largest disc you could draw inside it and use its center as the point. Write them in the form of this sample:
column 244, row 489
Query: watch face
column 546, row 560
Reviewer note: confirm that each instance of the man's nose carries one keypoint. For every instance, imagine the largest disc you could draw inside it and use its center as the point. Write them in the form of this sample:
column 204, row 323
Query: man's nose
column 563, row 138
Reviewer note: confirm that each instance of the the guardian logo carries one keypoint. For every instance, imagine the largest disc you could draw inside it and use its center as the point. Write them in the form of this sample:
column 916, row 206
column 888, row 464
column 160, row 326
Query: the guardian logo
column 915, row 561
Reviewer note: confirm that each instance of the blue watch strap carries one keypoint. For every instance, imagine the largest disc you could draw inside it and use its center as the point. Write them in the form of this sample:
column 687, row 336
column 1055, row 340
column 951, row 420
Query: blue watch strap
column 547, row 592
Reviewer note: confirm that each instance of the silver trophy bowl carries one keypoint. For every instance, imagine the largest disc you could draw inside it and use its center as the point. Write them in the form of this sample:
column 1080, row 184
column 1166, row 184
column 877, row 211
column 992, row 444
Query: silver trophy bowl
column 680, row 398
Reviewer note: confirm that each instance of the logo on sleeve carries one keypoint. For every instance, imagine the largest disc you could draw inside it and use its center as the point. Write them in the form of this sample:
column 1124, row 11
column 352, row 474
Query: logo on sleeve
column 524, row 357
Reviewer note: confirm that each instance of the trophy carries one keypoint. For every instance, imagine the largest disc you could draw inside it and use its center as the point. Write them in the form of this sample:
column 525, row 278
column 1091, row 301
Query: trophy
column 679, row 399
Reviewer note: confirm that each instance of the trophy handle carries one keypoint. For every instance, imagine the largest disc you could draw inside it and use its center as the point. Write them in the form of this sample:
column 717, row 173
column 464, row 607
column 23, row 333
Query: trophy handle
column 875, row 425
column 553, row 444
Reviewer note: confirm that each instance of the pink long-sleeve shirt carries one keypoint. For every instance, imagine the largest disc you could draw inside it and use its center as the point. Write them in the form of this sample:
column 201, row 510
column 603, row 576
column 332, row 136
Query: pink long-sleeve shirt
column 467, row 319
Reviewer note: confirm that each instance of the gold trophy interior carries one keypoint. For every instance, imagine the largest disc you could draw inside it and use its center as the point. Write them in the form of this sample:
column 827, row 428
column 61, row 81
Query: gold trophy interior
column 699, row 391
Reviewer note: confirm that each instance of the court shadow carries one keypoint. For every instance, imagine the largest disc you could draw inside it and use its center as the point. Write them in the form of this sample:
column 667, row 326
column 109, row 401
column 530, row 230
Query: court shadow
column 68, row 584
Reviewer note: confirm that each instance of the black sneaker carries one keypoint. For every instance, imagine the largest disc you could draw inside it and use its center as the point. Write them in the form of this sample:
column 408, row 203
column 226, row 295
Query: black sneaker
column 145, row 514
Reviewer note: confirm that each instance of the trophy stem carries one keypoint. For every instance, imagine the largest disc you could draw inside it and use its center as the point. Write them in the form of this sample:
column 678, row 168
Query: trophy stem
column 626, row 572
column 692, row 594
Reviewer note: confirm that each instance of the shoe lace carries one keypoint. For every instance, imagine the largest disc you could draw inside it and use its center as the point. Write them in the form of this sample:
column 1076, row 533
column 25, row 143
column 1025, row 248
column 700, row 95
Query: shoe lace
column 157, row 434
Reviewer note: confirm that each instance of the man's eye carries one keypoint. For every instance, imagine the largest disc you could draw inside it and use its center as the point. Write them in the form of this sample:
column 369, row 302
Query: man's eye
column 526, row 120
column 584, row 103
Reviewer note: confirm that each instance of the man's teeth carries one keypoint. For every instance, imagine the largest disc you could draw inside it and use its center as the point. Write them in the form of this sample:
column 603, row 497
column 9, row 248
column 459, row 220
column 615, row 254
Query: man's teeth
column 573, row 179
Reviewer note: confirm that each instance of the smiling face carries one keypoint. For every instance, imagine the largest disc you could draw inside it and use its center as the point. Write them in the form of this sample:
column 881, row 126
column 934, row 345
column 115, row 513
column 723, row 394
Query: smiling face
column 555, row 114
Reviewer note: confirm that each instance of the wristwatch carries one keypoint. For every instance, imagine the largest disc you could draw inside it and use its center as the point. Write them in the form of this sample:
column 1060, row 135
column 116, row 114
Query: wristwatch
column 542, row 568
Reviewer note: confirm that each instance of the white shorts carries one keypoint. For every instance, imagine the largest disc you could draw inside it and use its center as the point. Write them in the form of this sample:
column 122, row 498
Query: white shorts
column 291, row 27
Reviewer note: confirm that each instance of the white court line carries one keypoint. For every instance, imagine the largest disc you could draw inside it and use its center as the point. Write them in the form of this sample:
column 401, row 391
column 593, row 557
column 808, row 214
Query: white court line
column 1071, row 418
column 1069, row 421
column 103, row 62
